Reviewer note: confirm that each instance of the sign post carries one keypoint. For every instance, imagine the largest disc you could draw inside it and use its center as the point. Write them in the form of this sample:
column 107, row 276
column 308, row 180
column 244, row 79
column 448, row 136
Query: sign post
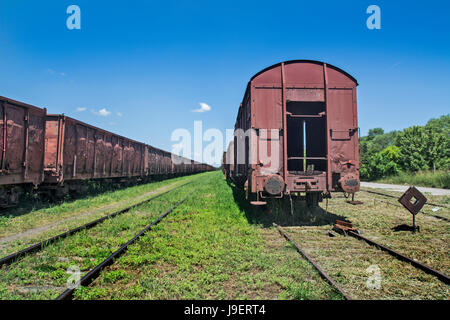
column 413, row 200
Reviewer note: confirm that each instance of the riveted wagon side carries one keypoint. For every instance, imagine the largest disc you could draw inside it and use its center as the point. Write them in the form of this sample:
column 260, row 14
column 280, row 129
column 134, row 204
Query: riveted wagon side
column 153, row 161
column 77, row 152
column 21, row 148
column 160, row 163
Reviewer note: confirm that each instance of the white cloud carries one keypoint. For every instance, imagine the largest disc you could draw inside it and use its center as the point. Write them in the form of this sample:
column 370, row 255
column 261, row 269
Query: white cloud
column 81, row 109
column 203, row 108
column 102, row 112
column 119, row 114
column 53, row 72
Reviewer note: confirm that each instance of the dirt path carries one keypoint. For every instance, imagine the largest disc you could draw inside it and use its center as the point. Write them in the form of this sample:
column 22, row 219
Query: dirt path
column 34, row 231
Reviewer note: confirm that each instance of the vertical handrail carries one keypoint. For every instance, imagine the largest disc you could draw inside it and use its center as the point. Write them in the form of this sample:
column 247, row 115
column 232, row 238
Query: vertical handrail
column 95, row 153
column 112, row 157
column 26, row 138
column 60, row 148
column 327, row 114
column 283, row 93
column 77, row 151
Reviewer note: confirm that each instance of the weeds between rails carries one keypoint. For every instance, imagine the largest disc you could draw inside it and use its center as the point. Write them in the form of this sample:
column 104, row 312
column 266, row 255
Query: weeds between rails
column 39, row 246
column 442, row 277
column 322, row 273
column 95, row 272
column 402, row 257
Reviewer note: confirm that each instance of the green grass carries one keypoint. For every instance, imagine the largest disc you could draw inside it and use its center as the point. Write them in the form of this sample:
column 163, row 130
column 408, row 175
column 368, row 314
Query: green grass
column 42, row 223
column 347, row 260
column 215, row 246
column 438, row 179
column 47, row 270
column 205, row 249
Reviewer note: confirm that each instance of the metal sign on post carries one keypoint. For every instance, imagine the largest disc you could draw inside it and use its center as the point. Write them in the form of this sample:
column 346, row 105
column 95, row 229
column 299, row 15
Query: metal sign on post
column 413, row 200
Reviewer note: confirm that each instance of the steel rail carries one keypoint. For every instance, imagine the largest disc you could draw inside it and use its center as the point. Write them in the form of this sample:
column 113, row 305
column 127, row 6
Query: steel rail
column 402, row 257
column 390, row 196
column 39, row 246
column 95, row 272
column 318, row 268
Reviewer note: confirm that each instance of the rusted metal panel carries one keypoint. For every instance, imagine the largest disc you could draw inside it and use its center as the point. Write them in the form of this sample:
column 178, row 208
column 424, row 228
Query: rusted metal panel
column 51, row 143
column 343, row 133
column 108, row 155
column 90, row 152
column 146, row 160
column 87, row 152
column 15, row 138
column 153, row 165
column 305, row 95
column 161, row 162
column 116, row 156
column 268, row 113
column 36, row 136
column 308, row 74
column 21, row 141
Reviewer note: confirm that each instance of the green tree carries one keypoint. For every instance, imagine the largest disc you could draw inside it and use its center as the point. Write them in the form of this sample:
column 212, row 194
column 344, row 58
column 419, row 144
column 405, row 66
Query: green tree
column 437, row 133
column 369, row 146
column 382, row 164
column 412, row 144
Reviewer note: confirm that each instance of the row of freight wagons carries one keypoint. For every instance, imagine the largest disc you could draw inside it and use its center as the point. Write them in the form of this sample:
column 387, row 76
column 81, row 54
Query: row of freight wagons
column 53, row 150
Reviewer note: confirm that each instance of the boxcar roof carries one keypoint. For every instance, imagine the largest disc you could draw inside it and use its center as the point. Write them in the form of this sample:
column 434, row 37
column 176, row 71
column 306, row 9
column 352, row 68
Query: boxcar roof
column 304, row 61
column 22, row 104
column 287, row 62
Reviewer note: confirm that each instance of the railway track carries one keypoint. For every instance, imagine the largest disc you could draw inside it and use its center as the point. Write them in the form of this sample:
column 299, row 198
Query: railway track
column 95, row 272
column 396, row 205
column 41, row 245
column 444, row 278
column 397, row 255
column 322, row 273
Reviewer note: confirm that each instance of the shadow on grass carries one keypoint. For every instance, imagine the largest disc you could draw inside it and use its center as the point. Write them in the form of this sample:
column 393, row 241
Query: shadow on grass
column 279, row 211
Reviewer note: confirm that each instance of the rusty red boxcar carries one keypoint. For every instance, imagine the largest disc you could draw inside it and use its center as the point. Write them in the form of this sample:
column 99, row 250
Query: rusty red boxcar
column 76, row 151
column 296, row 133
column 21, row 153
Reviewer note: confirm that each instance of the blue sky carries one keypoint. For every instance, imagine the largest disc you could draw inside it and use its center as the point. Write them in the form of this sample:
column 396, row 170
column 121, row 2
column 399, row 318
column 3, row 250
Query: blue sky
column 149, row 64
